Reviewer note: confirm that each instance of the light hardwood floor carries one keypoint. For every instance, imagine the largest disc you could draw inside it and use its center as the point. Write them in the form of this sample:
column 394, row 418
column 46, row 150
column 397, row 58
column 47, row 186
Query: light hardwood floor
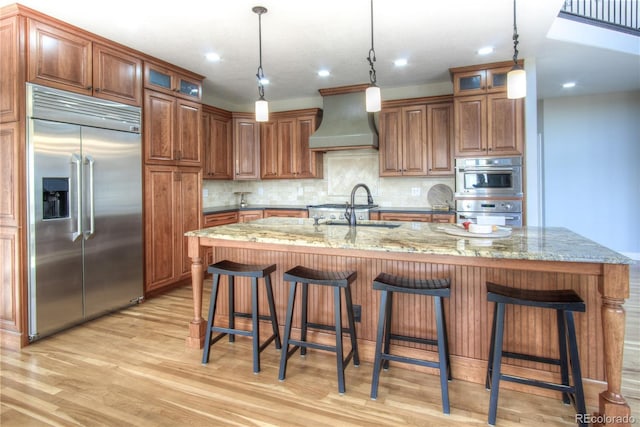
column 132, row 368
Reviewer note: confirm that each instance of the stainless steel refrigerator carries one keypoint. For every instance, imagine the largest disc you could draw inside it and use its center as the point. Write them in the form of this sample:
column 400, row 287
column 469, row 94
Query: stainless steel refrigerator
column 84, row 206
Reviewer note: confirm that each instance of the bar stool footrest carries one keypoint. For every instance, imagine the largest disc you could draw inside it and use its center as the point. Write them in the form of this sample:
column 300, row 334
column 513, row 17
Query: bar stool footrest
column 536, row 383
column 411, row 360
column 531, row 358
column 416, row 340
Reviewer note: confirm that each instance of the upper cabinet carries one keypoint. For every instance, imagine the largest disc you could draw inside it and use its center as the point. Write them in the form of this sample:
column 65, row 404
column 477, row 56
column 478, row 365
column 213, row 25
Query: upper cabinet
column 284, row 146
column 71, row 61
column 172, row 81
column 172, row 129
column 217, row 143
column 416, row 137
column 486, row 122
column 246, row 147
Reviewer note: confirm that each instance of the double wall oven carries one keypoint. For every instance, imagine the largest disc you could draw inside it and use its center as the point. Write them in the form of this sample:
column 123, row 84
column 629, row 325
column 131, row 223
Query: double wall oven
column 489, row 186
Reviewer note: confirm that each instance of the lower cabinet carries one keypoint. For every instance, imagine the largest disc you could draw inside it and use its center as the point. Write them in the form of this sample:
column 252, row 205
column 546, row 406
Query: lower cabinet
column 213, row 220
column 416, row 217
column 251, row 215
column 286, row 213
column 173, row 206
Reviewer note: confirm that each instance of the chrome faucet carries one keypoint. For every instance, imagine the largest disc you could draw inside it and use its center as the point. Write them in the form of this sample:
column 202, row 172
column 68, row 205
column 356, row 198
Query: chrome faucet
column 350, row 213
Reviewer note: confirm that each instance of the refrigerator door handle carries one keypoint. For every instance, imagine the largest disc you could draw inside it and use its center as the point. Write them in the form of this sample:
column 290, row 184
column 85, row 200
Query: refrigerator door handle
column 92, row 205
column 75, row 158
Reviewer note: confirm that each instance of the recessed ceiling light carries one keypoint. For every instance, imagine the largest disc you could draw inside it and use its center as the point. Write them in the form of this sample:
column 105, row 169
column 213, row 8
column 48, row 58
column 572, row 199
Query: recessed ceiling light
column 324, row 73
column 213, row 57
column 485, row 50
column 264, row 81
column 569, row 85
column 400, row 62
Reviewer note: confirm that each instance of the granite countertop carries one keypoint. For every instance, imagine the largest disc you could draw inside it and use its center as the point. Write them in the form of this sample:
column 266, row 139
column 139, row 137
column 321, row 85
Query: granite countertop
column 526, row 243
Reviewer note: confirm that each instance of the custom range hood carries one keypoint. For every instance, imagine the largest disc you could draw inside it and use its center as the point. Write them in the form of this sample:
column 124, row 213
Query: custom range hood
column 345, row 122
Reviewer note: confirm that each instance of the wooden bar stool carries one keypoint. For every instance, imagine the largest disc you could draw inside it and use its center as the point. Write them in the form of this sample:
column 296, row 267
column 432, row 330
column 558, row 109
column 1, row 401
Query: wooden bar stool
column 338, row 280
column 231, row 270
column 436, row 288
column 565, row 302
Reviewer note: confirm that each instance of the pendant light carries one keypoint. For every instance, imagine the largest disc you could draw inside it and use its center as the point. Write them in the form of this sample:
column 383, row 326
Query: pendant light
column 262, row 106
column 373, row 99
column 516, row 78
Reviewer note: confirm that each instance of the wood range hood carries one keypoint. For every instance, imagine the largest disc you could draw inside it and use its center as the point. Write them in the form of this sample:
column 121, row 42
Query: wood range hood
column 346, row 125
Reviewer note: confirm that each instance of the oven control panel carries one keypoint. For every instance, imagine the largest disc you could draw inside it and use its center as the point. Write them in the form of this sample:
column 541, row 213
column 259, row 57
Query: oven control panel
column 498, row 206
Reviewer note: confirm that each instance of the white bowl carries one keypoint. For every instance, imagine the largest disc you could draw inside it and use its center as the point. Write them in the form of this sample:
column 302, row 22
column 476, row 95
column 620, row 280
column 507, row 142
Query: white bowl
column 480, row 228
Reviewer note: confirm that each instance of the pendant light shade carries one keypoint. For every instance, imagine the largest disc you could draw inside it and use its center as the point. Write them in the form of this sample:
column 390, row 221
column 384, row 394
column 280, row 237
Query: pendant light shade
column 373, row 98
column 516, row 83
column 262, row 106
column 262, row 110
column 516, row 78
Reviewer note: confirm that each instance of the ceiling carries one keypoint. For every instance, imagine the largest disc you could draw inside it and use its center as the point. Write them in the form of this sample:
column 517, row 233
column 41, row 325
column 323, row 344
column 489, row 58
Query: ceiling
column 299, row 37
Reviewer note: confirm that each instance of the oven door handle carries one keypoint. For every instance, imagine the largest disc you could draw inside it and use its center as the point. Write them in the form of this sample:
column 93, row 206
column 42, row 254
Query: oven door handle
column 463, row 216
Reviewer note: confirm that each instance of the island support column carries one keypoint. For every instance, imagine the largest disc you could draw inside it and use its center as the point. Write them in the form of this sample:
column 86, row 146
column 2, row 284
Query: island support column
column 614, row 289
column 197, row 326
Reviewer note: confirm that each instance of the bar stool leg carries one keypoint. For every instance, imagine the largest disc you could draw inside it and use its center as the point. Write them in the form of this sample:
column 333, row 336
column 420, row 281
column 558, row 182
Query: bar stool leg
column 446, row 343
column 352, row 326
column 487, row 382
column 337, row 306
column 303, row 317
column 232, row 308
column 442, row 356
column 210, row 319
column 272, row 311
column 497, row 360
column 284, row 354
column 256, row 325
column 575, row 364
column 387, row 332
column 377, row 363
column 562, row 347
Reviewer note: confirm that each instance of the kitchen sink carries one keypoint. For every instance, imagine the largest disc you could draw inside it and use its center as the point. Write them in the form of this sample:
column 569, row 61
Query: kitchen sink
column 365, row 224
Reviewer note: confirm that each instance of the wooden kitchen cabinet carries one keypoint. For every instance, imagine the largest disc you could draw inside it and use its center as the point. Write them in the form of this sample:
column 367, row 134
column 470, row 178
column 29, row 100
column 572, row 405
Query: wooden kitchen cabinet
column 486, row 122
column 11, row 65
column 213, row 220
column 217, row 143
column 398, row 216
column 172, row 129
column 449, row 218
column 249, row 215
column 173, row 206
column 246, row 147
column 416, row 137
column 285, row 213
column 70, row 60
column 173, row 81
column 284, row 146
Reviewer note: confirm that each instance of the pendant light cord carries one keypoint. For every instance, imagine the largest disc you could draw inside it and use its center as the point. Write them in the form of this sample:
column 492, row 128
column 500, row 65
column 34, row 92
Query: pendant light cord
column 260, row 73
column 372, row 53
column 515, row 35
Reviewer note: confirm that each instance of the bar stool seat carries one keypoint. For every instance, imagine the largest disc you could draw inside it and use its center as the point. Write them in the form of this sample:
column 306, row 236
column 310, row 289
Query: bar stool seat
column 231, row 270
column 337, row 280
column 437, row 288
column 565, row 302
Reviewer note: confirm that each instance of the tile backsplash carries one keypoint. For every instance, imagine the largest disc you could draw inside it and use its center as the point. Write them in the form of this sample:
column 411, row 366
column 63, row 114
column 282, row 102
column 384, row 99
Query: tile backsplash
column 342, row 170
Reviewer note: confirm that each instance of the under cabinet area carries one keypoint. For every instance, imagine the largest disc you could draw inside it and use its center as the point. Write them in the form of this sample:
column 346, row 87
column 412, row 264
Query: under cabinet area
column 70, row 60
column 416, row 137
column 486, row 122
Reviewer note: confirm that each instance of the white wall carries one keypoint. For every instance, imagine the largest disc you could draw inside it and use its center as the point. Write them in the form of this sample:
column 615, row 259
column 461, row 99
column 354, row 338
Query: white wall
column 592, row 167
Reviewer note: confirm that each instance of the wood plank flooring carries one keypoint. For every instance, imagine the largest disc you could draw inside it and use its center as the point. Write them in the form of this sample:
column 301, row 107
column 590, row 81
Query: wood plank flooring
column 132, row 368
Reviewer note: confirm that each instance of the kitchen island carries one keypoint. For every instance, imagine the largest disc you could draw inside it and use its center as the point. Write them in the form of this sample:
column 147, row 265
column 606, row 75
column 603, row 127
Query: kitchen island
column 535, row 258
